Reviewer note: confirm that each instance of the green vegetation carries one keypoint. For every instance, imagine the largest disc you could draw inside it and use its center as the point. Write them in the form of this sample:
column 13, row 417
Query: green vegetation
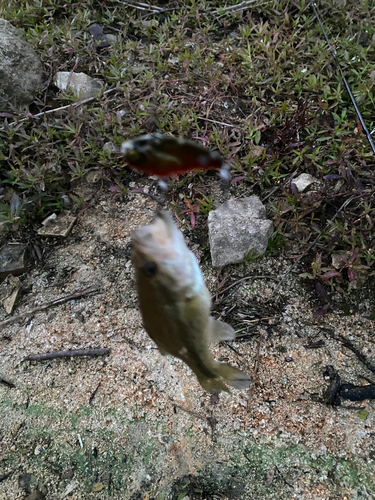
column 187, row 69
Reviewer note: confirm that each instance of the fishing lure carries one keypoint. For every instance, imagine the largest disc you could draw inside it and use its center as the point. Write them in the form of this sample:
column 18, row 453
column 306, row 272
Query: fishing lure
column 164, row 155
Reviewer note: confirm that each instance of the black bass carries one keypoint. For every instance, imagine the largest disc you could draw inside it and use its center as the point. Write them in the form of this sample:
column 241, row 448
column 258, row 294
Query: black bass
column 175, row 304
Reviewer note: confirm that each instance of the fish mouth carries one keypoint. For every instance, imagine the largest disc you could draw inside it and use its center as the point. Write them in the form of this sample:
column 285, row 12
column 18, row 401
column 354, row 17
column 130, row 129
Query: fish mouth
column 156, row 240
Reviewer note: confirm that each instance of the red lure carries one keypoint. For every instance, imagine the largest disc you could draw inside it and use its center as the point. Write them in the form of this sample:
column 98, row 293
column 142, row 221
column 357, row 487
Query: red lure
column 164, row 155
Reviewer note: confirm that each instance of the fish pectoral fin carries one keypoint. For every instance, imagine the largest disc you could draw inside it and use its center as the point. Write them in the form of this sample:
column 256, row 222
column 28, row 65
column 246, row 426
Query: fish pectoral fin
column 221, row 331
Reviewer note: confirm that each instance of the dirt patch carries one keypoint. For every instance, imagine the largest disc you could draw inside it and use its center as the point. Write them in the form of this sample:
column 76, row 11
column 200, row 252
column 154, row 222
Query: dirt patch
column 138, row 424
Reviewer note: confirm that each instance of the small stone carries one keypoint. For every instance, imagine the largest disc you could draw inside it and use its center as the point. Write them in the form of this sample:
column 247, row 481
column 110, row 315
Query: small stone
column 302, row 181
column 238, row 227
column 49, row 220
column 65, row 200
column 83, row 85
column 13, row 259
column 60, row 226
column 10, row 290
column 109, row 146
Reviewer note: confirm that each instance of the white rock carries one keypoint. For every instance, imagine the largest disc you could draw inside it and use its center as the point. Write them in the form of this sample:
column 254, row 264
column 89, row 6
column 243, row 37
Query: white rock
column 236, row 228
column 302, row 181
column 83, row 85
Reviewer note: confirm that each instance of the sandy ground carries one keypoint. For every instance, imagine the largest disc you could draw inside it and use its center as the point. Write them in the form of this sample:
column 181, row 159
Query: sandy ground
column 136, row 425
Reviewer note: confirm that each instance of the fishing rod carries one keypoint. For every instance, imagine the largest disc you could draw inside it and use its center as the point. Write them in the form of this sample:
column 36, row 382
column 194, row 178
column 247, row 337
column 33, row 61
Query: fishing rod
column 334, row 53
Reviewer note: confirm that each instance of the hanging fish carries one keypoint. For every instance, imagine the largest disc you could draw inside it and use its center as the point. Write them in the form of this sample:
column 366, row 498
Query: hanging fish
column 164, row 155
column 175, row 304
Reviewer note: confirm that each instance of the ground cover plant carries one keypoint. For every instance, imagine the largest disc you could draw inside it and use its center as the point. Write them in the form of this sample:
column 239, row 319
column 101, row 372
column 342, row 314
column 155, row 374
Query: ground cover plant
column 257, row 84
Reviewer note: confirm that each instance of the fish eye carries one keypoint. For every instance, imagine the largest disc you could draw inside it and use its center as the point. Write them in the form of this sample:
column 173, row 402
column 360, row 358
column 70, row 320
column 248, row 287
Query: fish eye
column 150, row 269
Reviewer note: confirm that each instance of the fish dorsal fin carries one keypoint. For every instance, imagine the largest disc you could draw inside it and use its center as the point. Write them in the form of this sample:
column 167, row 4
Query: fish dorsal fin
column 220, row 331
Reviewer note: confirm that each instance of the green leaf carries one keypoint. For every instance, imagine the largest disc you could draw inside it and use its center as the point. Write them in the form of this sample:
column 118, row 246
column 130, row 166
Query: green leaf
column 306, row 275
column 363, row 414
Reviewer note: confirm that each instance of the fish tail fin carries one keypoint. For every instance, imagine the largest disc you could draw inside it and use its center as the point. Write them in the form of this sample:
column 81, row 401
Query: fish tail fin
column 222, row 375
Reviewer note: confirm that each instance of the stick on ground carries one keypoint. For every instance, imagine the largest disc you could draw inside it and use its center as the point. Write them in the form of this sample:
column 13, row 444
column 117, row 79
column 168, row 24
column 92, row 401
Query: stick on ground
column 67, row 354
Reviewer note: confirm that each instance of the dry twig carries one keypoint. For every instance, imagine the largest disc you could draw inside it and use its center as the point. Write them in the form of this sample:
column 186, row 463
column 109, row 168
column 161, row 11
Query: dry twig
column 154, row 9
column 219, row 123
column 349, row 345
column 94, row 393
column 237, row 7
column 71, row 105
column 67, row 354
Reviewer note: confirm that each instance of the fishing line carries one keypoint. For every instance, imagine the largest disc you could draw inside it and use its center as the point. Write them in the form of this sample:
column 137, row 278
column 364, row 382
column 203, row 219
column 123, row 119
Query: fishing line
column 334, row 53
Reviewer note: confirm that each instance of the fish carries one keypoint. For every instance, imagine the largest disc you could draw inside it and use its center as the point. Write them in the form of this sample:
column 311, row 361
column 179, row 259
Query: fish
column 175, row 304
column 164, row 155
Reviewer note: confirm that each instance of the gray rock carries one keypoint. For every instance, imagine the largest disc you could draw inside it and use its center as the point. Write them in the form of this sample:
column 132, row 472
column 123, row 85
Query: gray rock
column 83, row 85
column 13, row 259
column 302, row 181
column 109, row 146
column 236, row 228
column 21, row 71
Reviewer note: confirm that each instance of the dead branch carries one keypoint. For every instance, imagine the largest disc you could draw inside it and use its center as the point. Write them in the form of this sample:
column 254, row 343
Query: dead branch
column 61, row 108
column 219, row 123
column 154, row 9
column 67, row 354
column 233, row 8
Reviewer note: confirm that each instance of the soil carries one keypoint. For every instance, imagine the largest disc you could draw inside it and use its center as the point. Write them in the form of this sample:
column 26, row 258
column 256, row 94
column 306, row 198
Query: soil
column 136, row 425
